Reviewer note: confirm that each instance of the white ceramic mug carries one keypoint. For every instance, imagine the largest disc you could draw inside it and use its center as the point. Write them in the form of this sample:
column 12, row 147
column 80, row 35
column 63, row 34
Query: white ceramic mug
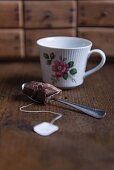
column 64, row 60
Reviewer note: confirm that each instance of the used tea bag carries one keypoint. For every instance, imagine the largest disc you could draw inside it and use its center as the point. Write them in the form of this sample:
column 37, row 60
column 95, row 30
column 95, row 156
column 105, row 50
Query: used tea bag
column 41, row 92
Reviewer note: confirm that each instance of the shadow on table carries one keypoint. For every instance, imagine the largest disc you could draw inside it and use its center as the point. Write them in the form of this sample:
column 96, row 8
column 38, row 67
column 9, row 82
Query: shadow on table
column 18, row 80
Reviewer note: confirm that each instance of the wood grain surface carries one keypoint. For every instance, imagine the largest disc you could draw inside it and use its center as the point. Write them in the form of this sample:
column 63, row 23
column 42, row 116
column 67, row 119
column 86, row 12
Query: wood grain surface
column 82, row 143
column 11, row 43
column 102, row 38
column 95, row 13
column 11, row 14
column 50, row 14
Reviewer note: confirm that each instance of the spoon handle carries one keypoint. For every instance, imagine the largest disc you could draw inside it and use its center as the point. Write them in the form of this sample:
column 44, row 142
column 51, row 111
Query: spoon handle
column 96, row 113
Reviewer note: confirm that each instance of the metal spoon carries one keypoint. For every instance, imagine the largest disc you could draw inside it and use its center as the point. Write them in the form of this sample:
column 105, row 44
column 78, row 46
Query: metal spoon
column 96, row 113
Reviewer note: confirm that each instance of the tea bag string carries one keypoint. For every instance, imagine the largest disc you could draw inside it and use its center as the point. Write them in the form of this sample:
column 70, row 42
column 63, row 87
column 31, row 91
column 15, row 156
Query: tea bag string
column 58, row 115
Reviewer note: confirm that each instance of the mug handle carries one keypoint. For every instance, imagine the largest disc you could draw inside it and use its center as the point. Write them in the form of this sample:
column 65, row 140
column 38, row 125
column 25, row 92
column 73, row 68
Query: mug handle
column 100, row 65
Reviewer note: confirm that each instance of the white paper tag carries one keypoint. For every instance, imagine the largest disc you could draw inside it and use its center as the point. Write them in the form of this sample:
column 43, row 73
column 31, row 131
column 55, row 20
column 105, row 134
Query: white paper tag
column 45, row 128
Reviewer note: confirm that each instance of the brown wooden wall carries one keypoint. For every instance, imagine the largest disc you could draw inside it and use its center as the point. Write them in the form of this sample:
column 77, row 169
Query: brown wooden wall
column 22, row 22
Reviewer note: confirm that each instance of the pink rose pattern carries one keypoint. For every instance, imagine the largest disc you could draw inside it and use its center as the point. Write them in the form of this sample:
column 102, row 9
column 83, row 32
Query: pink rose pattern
column 60, row 68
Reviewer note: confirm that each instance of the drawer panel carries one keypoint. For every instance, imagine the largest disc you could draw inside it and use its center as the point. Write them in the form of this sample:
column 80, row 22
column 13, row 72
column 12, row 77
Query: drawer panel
column 11, row 43
column 50, row 14
column 46, row 0
column 33, row 35
column 88, row 0
column 96, row 13
column 102, row 38
column 11, row 14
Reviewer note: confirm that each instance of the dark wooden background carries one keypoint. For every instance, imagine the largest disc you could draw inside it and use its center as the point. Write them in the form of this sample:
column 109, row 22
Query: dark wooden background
column 22, row 22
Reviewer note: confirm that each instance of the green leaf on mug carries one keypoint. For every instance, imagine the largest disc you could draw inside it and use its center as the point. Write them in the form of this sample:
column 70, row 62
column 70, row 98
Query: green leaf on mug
column 48, row 62
column 71, row 64
column 73, row 71
column 65, row 76
column 46, row 56
column 52, row 56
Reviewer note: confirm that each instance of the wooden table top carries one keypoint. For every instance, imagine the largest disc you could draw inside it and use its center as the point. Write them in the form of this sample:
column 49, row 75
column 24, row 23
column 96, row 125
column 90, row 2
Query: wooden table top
column 82, row 143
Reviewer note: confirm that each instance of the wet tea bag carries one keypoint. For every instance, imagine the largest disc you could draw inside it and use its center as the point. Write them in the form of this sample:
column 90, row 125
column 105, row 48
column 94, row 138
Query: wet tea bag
column 42, row 93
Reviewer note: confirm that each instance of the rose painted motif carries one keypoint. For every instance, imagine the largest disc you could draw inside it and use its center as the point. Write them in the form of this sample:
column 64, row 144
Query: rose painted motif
column 60, row 68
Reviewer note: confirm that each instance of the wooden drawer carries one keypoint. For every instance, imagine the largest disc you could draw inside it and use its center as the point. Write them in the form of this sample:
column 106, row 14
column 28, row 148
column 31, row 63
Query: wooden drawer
column 50, row 14
column 33, row 35
column 11, row 14
column 86, row 0
column 96, row 13
column 102, row 38
column 11, row 43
